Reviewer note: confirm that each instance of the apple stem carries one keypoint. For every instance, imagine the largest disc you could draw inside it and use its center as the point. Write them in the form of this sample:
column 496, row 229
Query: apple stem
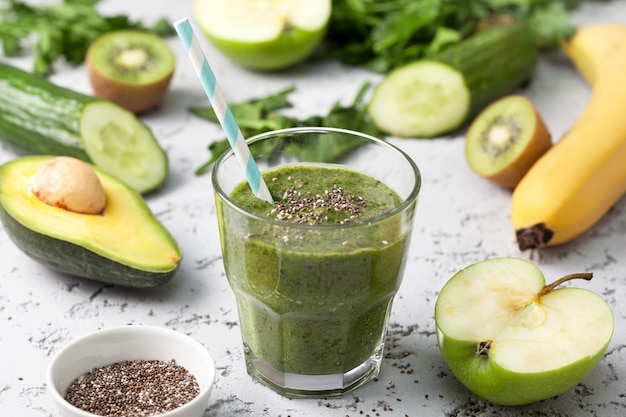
column 580, row 275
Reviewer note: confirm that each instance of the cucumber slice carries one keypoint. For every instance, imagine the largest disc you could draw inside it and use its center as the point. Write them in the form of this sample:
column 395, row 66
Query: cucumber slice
column 421, row 99
column 116, row 143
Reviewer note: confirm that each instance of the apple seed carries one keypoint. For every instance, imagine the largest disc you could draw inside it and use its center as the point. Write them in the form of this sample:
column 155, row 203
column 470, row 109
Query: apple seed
column 483, row 348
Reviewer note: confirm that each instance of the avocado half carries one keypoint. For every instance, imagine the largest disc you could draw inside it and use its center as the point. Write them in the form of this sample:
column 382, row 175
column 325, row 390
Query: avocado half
column 124, row 245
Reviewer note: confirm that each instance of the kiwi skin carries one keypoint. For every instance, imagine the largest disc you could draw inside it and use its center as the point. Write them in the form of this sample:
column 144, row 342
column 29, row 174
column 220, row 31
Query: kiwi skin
column 138, row 97
column 536, row 145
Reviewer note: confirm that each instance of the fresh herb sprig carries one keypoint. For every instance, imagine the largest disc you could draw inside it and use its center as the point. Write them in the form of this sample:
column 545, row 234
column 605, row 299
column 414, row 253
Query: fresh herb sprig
column 260, row 115
column 384, row 34
column 63, row 30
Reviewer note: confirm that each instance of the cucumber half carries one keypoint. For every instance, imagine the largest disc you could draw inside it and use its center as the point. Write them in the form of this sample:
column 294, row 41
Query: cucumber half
column 39, row 117
column 437, row 95
column 421, row 99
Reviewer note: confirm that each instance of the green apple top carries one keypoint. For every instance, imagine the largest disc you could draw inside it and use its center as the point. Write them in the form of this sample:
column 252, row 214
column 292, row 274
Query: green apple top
column 264, row 35
column 513, row 340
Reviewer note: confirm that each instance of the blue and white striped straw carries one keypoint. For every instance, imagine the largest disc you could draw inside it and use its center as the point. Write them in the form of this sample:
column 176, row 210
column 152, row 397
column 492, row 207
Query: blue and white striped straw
column 222, row 110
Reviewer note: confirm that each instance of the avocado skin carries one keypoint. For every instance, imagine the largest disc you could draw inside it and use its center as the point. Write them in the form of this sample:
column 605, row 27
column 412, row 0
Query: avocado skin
column 76, row 260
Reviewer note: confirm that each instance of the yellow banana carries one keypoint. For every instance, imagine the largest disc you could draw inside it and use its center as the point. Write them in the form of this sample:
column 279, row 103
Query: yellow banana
column 581, row 177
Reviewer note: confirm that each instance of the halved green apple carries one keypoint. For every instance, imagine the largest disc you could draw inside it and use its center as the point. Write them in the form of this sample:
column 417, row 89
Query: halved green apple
column 511, row 339
column 266, row 35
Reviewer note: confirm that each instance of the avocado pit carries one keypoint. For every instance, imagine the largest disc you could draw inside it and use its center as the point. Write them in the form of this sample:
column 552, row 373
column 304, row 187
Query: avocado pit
column 70, row 184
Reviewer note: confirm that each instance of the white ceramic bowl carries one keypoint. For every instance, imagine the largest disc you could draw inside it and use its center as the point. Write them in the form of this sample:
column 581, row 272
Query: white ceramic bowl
column 133, row 342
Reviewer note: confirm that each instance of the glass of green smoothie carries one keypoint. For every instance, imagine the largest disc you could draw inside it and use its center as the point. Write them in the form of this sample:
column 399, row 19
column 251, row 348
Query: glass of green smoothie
column 314, row 275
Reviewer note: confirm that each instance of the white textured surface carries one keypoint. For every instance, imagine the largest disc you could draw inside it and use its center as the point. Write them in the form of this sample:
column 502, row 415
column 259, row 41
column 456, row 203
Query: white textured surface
column 461, row 219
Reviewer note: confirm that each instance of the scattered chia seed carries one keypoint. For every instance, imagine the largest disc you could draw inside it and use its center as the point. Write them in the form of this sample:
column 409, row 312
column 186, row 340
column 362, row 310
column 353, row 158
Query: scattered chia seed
column 138, row 388
column 314, row 209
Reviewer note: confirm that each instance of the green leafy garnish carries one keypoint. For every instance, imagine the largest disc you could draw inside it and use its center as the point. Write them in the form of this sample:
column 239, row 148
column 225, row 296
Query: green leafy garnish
column 260, row 115
column 384, row 34
column 63, row 30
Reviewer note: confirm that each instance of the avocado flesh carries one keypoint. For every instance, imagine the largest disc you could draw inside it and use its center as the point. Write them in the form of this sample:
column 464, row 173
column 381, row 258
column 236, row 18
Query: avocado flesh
column 125, row 245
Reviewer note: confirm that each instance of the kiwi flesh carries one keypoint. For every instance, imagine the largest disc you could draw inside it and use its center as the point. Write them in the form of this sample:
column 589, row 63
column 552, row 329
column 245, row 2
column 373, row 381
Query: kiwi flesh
column 505, row 139
column 132, row 68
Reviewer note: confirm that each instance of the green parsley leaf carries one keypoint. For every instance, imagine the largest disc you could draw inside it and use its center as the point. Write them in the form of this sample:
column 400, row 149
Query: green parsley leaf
column 261, row 115
column 64, row 30
column 384, row 34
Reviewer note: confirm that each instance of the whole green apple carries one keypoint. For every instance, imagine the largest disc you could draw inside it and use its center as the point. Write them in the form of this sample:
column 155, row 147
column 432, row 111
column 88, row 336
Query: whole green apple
column 266, row 35
column 511, row 339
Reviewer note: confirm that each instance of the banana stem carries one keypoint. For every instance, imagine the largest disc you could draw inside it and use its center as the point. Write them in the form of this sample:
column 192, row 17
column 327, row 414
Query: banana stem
column 580, row 275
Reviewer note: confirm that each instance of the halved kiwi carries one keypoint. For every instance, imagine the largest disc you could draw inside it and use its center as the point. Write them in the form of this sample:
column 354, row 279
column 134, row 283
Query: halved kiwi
column 505, row 140
column 132, row 68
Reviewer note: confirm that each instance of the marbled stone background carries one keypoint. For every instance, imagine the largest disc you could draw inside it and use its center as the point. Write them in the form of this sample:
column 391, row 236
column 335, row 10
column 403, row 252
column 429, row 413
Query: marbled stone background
column 461, row 219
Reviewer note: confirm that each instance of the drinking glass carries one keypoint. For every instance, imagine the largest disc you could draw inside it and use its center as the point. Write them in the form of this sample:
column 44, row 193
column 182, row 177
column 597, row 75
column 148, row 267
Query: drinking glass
column 314, row 299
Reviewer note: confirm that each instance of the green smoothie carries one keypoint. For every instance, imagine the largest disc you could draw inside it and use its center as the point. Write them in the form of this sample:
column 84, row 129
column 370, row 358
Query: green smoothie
column 314, row 275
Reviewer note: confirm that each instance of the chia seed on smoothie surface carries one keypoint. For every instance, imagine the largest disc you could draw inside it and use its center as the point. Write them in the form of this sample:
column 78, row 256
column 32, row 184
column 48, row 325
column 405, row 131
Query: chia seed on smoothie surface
column 312, row 195
column 332, row 206
column 306, row 194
